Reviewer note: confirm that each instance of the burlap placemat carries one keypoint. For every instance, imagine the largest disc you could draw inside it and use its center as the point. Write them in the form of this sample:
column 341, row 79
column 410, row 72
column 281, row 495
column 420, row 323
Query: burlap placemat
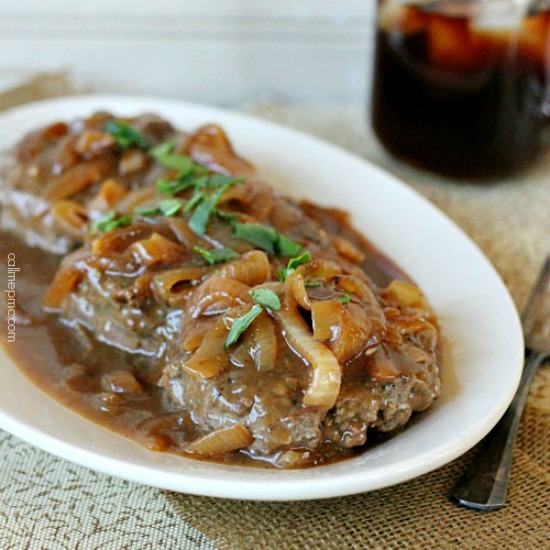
column 19, row 87
column 48, row 503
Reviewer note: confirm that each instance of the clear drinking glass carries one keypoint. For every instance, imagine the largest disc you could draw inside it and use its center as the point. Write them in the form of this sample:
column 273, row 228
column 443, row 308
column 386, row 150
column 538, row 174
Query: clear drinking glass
column 462, row 87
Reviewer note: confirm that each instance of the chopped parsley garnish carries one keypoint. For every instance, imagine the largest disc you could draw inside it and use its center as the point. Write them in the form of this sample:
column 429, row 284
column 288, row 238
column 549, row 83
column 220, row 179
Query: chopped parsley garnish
column 169, row 207
column 201, row 216
column 164, row 155
column 266, row 297
column 196, row 199
column 219, row 180
column 293, row 263
column 216, row 255
column 146, row 211
column 262, row 236
column 203, row 204
column 241, row 324
column 193, row 176
column 286, row 247
column 125, row 135
column 190, row 180
column 109, row 222
column 173, row 187
column 344, row 299
column 265, row 237
column 226, row 216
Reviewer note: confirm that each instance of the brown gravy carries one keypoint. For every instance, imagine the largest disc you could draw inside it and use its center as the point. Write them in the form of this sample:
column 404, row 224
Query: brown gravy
column 68, row 364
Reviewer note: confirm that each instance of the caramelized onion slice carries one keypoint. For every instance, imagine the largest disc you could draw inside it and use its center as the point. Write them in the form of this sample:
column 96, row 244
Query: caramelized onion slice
column 259, row 342
column 209, row 145
column 326, row 378
column 264, row 337
column 358, row 331
column 222, row 441
column 407, row 293
column 380, row 367
column 78, row 178
column 296, row 292
column 411, row 324
column 120, row 381
column 158, row 250
column 250, row 269
column 183, row 233
column 349, row 329
column 326, row 316
column 172, row 286
column 139, row 197
column 71, row 216
column 216, row 295
column 354, row 285
column 133, row 160
column 319, row 269
column 65, row 281
column 92, row 142
column 194, row 333
column 348, row 250
column 33, row 144
column 108, row 195
column 211, row 358
column 119, row 240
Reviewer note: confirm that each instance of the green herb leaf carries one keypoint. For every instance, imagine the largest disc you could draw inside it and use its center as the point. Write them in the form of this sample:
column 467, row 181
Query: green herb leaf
column 219, row 180
column 173, row 187
column 107, row 218
column 125, row 135
column 164, row 156
column 109, row 223
column 200, row 170
column 163, row 149
column 312, row 284
column 166, row 186
column 216, row 255
column 293, row 263
column 344, row 299
column 194, row 179
column 170, row 207
column 241, row 324
column 196, row 199
column 201, row 215
column 146, row 211
column 226, row 216
column 262, row 236
column 265, row 237
column 266, row 297
column 286, row 247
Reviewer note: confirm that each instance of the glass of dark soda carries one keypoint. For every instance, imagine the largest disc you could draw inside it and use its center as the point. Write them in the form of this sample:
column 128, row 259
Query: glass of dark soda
column 462, row 87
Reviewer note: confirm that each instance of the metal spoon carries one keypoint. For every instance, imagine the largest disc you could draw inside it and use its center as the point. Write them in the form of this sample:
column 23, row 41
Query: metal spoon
column 484, row 484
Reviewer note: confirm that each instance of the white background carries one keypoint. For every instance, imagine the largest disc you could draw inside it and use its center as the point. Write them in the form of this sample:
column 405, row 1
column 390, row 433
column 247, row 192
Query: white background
column 220, row 51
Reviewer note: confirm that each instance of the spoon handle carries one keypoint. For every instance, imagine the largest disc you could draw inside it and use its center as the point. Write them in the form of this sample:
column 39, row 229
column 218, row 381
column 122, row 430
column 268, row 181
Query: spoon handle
column 484, row 483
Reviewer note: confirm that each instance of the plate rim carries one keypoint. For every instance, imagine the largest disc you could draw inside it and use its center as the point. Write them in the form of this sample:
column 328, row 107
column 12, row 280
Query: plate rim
column 279, row 490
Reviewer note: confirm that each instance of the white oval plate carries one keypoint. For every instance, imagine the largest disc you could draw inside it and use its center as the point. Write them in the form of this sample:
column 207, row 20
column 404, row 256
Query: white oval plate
column 477, row 316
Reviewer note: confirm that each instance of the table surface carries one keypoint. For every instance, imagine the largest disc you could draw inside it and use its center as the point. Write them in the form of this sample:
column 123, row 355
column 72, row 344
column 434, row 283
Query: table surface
column 46, row 502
